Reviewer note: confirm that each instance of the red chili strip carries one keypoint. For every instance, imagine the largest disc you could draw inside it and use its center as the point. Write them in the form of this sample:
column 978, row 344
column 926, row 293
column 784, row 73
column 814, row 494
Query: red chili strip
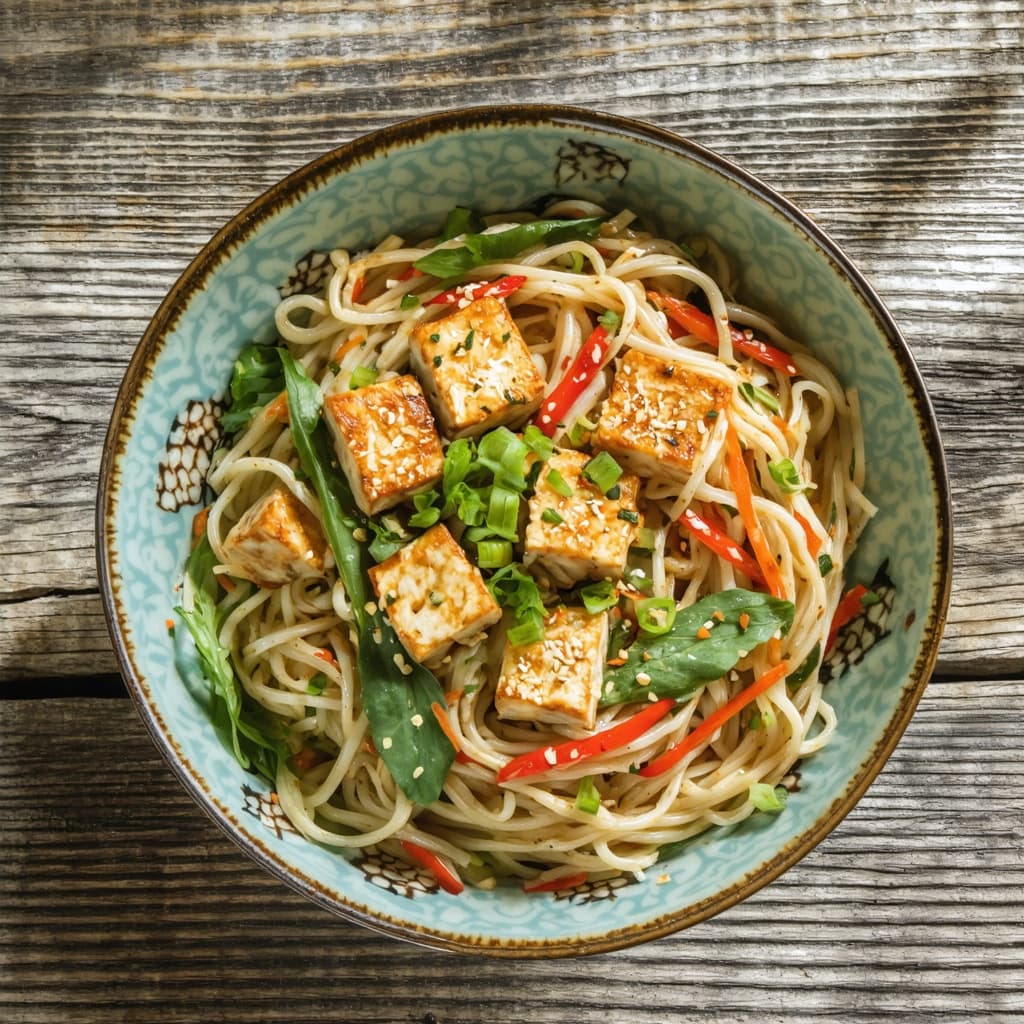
column 446, row 876
column 582, row 371
column 693, row 321
column 557, row 884
column 704, row 529
column 846, row 611
column 486, row 289
column 546, row 759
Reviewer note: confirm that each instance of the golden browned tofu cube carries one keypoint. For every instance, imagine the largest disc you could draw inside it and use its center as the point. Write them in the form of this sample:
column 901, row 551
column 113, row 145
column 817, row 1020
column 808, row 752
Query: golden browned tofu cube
column 386, row 441
column 277, row 540
column 585, row 534
column 476, row 369
column 558, row 679
column 433, row 595
column 658, row 414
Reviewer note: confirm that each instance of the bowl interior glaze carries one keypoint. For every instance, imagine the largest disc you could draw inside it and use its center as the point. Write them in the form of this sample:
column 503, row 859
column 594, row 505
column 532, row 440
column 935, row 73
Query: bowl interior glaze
column 404, row 180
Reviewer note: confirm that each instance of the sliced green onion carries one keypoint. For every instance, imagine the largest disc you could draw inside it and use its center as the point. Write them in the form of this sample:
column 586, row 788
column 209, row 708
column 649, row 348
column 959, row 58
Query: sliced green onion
column 409, row 301
column 579, row 431
column 753, row 394
column 655, row 615
column 766, row 797
column 602, row 471
column 493, row 554
column 504, row 455
column 529, row 632
column 785, row 474
column 549, row 515
column 317, row 684
column 362, row 376
column 588, row 799
column 824, row 564
column 577, row 262
column 426, row 513
column 645, row 540
column 468, row 504
column 503, row 513
column 628, row 515
column 538, row 442
column 598, row 597
column 557, row 483
column 638, row 581
column 869, row 598
column 609, row 320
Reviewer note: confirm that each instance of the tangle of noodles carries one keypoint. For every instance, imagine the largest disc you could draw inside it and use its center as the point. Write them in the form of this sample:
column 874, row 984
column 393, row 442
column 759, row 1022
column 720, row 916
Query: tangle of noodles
column 277, row 637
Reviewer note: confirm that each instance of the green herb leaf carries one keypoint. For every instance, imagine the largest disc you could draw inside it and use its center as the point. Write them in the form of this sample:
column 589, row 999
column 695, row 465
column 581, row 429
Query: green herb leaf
column 805, row 668
column 598, row 597
column 609, row 320
column 460, row 220
column 256, row 739
column 478, row 249
column 824, row 564
column 409, row 301
column 317, row 684
column 256, row 380
column 394, row 704
column 678, row 663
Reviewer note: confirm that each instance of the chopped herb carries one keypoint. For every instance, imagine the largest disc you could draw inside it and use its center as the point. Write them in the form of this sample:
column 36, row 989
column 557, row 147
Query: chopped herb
column 549, row 515
column 409, row 301
column 437, row 360
column 317, row 684
column 754, row 394
column 824, row 564
column 362, row 376
column 628, row 515
column 334, row 367
column 598, row 597
column 803, row 671
column 602, row 471
column 468, row 343
column 588, row 799
column 435, row 338
column 769, row 798
column 785, row 474
column 558, row 484
column 609, row 320
column 711, row 414
column 869, row 599
column 505, row 337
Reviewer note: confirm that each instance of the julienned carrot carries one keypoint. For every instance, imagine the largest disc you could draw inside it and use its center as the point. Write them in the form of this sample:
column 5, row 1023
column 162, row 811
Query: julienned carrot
column 557, row 884
column 346, row 346
column 692, row 320
column 546, row 759
column 446, row 725
column 813, row 540
column 846, row 611
column 713, row 722
column 740, row 480
column 445, row 875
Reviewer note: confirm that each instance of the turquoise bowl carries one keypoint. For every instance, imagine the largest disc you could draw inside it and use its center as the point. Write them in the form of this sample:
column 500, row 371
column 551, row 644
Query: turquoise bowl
column 404, row 179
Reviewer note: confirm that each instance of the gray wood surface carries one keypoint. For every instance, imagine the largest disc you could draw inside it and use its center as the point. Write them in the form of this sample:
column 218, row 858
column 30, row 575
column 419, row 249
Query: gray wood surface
column 130, row 132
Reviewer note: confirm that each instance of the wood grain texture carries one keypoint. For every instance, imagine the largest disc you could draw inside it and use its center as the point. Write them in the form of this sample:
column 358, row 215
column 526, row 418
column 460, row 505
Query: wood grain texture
column 120, row 901
column 128, row 134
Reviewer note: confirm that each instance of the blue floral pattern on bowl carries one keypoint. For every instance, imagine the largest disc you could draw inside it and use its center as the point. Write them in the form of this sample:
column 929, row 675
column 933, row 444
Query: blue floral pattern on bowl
column 404, row 180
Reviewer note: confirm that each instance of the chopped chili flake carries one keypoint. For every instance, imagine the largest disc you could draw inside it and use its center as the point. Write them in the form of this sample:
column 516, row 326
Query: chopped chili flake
column 703, row 633
column 744, row 620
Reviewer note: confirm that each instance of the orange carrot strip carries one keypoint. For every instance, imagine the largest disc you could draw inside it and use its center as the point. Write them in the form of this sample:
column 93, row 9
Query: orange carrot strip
column 813, row 540
column 226, row 582
column 740, row 480
column 713, row 722
column 199, row 523
column 346, row 346
column 278, row 408
column 452, row 697
column 774, row 650
column 325, row 655
column 446, row 725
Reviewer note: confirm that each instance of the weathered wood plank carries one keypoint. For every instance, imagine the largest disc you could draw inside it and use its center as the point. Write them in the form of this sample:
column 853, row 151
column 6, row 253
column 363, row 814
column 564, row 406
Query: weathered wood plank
column 128, row 137
column 120, row 901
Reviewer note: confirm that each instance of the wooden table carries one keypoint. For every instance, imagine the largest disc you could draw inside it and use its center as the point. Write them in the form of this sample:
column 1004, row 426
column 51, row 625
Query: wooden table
column 130, row 132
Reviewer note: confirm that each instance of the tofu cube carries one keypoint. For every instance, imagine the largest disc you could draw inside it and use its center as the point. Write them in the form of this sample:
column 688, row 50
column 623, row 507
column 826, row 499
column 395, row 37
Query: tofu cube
column 656, row 417
column 276, row 541
column 386, row 441
column 433, row 595
column 590, row 534
column 476, row 369
column 556, row 680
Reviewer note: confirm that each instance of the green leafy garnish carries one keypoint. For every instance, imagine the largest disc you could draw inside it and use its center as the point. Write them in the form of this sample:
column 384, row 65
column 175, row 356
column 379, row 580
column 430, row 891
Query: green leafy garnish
column 460, row 220
column 678, row 662
column 766, row 797
column 257, row 740
column 256, row 380
column 394, row 697
column 478, row 249
column 754, row 394
column 785, row 474
column 517, row 590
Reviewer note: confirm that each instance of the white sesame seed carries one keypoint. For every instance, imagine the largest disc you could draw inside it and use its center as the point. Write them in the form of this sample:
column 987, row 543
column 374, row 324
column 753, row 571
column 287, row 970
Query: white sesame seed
column 417, row 771
column 386, row 742
column 643, row 679
column 370, row 607
column 417, row 720
column 550, row 756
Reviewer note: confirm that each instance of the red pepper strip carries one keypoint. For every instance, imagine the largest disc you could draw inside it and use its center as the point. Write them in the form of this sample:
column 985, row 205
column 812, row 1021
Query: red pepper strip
column 713, row 722
column 718, row 541
column 409, row 273
column 700, row 325
column 557, row 884
column 546, row 759
column 740, row 480
column 357, row 289
column 446, row 877
column 847, row 610
column 494, row 289
column 583, row 370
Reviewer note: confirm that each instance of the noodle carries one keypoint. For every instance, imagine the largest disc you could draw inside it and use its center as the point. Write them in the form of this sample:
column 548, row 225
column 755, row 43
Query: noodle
column 294, row 647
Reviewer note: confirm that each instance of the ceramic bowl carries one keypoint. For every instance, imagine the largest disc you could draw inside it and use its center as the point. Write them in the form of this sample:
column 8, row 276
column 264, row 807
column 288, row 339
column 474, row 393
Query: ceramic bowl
column 403, row 180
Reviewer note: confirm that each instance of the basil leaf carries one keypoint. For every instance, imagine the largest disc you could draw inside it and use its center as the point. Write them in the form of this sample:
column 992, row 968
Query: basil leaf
column 257, row 740
column 678, row 663
column 394, row 703
column 478, row 249
column 390, row 698
column 256, row 380
column 460, row 221
column 318, row 462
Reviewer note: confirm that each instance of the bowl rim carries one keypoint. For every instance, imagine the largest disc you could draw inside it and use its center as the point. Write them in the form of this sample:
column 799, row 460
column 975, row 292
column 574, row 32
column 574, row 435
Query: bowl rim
column 292, row 189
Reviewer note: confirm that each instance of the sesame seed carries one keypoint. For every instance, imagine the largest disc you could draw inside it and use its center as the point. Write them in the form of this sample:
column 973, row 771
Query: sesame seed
column 643, row 679
column 417, row 720
column 550, row 756
column 386, row 742
column 417, row 771
column 370, row 607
